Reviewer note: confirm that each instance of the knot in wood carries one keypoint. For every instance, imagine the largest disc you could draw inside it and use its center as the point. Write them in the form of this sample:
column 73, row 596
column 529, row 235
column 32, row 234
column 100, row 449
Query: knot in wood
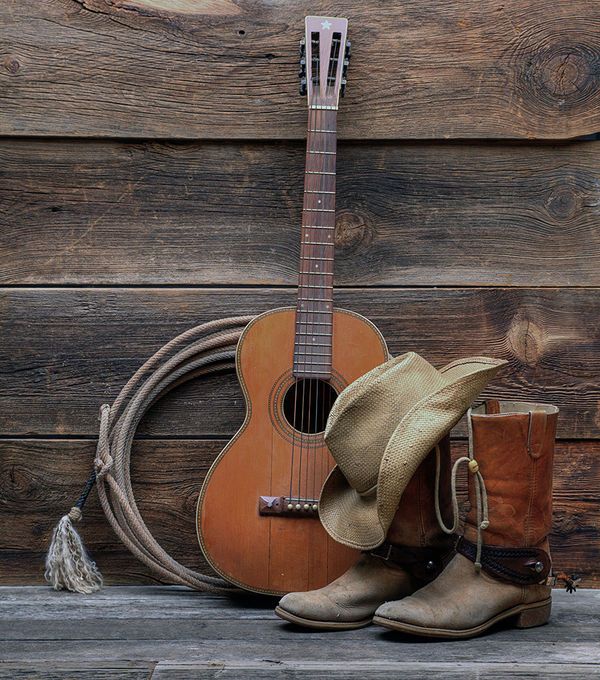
column 352, row 230
column 526, row 339
column 563, row 71
column 12, row 65
column 18, row 485
column 563, row 202
column 556, row 69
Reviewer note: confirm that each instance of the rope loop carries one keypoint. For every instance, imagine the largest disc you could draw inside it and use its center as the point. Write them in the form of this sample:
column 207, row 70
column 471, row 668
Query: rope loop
column 203, row 350
column 480, row 493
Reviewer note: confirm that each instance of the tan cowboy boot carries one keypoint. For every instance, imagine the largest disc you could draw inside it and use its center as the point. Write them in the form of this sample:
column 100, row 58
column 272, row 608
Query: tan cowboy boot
column 414, row 553
column 505, row 575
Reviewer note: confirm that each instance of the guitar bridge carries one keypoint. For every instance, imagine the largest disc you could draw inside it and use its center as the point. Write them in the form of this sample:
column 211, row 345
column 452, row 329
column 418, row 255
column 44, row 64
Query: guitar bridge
column 283, row 506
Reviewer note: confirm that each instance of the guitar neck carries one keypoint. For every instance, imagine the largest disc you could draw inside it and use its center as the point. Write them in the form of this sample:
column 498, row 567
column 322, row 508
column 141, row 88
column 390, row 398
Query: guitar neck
column 314, row 311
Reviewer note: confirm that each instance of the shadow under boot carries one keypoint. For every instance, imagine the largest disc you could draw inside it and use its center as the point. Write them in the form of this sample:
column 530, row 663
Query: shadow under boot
column 414, row 553
column 503, row 572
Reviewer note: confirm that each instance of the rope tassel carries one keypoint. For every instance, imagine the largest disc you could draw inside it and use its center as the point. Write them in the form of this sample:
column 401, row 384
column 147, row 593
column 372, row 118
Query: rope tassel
column 68, row 565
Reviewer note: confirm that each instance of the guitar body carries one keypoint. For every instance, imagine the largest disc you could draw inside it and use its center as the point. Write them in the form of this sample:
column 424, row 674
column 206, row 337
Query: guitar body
column 275, row 550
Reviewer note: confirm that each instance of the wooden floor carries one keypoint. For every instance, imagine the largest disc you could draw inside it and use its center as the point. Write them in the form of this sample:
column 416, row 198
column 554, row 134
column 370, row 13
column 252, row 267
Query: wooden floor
column 158, row 632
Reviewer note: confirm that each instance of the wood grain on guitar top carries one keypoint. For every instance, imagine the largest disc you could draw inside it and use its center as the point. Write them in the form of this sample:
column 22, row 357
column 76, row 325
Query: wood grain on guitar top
column 267, row 457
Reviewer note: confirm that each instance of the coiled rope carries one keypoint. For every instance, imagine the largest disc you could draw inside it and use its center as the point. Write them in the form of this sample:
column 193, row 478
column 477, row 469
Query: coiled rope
column 205, row 349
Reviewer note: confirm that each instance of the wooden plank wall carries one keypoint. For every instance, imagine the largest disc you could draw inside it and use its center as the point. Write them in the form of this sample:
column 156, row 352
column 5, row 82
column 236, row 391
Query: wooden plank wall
column 152, row 157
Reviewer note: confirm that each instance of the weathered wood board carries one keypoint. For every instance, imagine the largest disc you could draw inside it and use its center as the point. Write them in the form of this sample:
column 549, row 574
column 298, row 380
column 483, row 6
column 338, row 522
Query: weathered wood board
column 41, row 479
column 227, row 69
column 67, row 351
column 207, row 213
column 151, row 179
column 175, row 634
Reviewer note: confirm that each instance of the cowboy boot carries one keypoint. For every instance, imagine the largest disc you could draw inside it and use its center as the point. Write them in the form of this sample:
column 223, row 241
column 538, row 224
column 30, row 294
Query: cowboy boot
column 414, row 553
column 502, row 563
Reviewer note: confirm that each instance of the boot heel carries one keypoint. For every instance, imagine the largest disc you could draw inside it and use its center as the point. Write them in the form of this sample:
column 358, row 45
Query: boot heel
column 537, row 616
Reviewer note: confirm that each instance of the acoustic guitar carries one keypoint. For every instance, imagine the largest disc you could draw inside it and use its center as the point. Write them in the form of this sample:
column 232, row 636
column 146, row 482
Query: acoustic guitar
column 258, row 511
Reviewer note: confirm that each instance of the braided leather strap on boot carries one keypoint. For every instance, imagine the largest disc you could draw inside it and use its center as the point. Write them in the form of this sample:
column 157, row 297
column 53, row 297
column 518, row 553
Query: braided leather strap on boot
column 424, row 563
column 522, row 566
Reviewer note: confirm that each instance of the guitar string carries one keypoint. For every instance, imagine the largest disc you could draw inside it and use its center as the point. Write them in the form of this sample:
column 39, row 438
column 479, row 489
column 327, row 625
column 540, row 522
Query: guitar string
column 338, row 59
column 297, row 358
column 309, row 329
column 321, row 449
column 314, row 293
column 327, row 116
column 325, row 457
column 305, row 304
column 301, row 317
column 317, row 450
column 314, row 381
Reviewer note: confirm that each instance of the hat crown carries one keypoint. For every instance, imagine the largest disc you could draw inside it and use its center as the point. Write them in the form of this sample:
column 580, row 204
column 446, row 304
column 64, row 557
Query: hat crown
column 367, row 412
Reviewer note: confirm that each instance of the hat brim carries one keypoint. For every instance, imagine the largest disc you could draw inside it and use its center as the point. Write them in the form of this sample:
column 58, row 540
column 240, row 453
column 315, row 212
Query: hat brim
column 345, row 513
column 362, row 520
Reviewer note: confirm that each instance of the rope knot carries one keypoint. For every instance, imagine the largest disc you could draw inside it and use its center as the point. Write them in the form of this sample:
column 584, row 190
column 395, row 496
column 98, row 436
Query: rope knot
column 473, row 466
column 74, row 514
column 103, row 465
column 103, row 461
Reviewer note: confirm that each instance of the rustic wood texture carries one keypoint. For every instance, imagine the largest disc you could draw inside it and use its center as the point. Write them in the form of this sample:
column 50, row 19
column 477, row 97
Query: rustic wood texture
column 175, row 634
column 140, row 196
column 39, row 481
column 228, row 68
column 407, row 214
column 67, row 351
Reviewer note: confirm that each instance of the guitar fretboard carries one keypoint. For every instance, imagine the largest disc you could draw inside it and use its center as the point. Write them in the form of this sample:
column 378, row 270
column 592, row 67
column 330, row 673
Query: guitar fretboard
column 314, row 311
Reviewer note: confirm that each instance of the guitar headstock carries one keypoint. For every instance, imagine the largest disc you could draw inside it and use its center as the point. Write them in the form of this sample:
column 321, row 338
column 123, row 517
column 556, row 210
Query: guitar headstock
column 324, row 57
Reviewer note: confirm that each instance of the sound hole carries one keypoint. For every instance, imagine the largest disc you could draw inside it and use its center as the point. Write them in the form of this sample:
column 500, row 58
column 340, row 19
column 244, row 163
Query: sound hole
column 307, row 403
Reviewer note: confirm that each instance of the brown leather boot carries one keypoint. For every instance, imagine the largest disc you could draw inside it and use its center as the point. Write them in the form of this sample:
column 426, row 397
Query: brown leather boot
column 505, row 575
column 414, row 553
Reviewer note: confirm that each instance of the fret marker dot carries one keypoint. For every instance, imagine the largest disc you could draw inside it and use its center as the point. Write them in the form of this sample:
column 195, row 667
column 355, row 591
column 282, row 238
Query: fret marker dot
column 316, row 266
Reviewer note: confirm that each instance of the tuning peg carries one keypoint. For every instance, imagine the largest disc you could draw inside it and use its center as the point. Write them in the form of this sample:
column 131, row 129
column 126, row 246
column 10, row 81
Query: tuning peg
column 302, row 47
column 348, row 52
column 343, row 87
column 302, row 71
column 345, row 65
column 303, row 87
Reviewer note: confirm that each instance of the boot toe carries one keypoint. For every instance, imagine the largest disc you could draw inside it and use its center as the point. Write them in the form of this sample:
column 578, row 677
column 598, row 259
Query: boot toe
column 313, row 606
column 413, row 613
column 296, row 603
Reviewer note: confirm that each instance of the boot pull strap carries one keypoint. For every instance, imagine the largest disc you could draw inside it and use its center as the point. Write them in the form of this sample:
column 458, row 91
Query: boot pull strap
column 536, row 433
column 480, row 492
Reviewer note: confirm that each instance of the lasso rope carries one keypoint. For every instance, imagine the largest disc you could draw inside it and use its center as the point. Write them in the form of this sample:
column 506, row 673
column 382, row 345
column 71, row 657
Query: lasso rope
column 205, row 349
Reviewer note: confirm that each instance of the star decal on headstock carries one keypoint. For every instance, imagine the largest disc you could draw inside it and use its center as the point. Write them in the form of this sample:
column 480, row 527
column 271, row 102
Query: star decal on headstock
column 325, row 25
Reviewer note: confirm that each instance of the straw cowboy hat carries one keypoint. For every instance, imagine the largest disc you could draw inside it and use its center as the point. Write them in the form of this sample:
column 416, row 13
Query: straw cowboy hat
column 381, row 427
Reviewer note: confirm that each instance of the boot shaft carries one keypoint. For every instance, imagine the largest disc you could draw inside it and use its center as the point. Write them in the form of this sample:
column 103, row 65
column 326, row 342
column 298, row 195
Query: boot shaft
column 415, row 523
column 513, row 444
